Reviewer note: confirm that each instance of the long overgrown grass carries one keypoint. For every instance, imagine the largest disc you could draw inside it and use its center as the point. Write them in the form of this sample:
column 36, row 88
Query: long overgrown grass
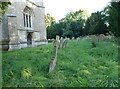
column 78, row 65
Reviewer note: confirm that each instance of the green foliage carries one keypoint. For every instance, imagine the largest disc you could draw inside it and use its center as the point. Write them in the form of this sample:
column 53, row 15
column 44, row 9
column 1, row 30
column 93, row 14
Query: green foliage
column 52, row 27
column 74, row 16
column 53, row 30
column 76, row 24
column 73, row 29
column 49, row 20
column 95, row 24
column 100, row 22
column 114, row 18
column 26, row 73
column 78, row 65
column 3, row 7
column 73, row 24
column 70, row 26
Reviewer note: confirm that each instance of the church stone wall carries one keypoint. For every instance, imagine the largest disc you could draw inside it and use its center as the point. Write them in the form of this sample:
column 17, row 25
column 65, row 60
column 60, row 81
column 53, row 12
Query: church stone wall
column 22, row 38
column 17, row 9
column 14, row 34
column 42, row 25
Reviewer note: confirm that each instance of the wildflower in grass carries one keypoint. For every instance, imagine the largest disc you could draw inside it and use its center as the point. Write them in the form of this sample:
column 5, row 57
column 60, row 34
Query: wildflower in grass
column 26, row 73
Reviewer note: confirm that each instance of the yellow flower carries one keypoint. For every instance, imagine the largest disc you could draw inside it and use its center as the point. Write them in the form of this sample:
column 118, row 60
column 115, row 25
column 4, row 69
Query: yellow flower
column 26, row 73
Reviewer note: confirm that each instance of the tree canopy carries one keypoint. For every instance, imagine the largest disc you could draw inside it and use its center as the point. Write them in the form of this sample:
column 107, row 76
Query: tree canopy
column 70, row 26
column 3, row 7
column 95, row 24
column 114, row 18
column 78, row 23
column 49, row 19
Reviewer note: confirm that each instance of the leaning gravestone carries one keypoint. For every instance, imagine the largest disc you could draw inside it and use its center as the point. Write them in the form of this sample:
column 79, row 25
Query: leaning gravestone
column 64, row 45
column 54, row 56
column 73, row 38
column 61, row 43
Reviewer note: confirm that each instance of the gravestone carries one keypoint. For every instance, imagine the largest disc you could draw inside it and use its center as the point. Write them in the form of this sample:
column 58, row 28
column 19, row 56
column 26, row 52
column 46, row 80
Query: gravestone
column 54, row 56
column 73, row 38
column 64, row 45
column 61, row 43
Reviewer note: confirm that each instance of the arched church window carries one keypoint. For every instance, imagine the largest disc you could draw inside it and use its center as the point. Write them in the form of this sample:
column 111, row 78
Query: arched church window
column 27, row 16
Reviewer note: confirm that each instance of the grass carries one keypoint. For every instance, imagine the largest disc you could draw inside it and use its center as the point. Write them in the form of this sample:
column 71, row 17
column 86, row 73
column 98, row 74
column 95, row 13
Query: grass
column 78, row 65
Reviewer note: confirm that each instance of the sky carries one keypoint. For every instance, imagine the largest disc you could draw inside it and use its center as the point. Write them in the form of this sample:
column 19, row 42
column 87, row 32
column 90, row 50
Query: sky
column 59, row 8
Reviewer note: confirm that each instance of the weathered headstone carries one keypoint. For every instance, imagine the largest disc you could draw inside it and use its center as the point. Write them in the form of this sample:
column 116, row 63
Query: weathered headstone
column 61, row 43
column 78, row 38
column 73, row 38
column 102, row 36
column 93, row 41
column 64, row 45
column 68, row 38
column 54, row 56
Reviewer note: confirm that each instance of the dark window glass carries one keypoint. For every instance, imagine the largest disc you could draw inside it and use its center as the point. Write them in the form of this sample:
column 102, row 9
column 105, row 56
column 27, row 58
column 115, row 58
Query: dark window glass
column 24, row 20
column 29, row 21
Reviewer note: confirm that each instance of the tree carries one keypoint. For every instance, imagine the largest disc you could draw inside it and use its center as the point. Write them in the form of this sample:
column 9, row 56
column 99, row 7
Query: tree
column 95, row 24
column 49, row 19
column 73, row 24
column 87, row 27
column 70, row 26
column 114, row 18
column 3, row 7
column 53, row 30
column 51, row 26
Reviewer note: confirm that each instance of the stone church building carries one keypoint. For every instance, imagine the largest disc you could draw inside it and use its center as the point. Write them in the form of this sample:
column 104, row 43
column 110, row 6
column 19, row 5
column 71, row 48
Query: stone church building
column 23, row 25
